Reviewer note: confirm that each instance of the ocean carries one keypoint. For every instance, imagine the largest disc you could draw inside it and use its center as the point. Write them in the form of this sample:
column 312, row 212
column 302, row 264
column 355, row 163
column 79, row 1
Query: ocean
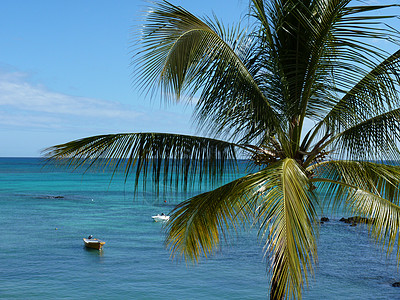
column 45, row 213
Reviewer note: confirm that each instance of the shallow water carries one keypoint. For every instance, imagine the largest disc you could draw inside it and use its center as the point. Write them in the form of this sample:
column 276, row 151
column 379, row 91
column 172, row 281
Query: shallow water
column 45, row 213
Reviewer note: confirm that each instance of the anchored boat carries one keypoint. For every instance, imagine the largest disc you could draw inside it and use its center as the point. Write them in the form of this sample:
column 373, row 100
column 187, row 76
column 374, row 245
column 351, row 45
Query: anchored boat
column 92, row 243
column 160, row 218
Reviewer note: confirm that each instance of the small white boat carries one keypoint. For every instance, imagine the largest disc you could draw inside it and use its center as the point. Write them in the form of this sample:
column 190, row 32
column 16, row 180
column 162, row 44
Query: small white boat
column 93, row 243
column 160, row 218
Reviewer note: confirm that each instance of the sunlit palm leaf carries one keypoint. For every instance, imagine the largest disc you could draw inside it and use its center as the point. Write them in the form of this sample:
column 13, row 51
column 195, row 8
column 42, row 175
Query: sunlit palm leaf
column 318, row 51
column 278, row 197
column 368, row 190
column 375, row 138
column 196, row 225
column 290, row 216
column 383, row 214
column 177, row 158
column 365, row 120
column 353, row 49
column 376, row 93
column 380, row 179
column 180, row 52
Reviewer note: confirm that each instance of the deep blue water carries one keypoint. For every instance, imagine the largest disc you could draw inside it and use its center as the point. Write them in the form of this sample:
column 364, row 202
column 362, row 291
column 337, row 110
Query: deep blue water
column 45, row 212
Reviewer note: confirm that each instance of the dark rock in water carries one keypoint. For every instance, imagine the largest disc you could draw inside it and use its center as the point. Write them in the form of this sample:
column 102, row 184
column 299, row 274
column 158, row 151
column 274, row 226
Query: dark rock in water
column 396, row 284
column 50, row 197
column 345, row 220
column 324, row 219
column 356, row 220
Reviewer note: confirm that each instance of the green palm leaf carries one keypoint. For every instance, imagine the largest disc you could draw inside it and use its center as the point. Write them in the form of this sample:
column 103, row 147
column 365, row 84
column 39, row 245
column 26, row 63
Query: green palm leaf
column 380, row 179
column 374, row 93
column 290, row 219
column 383, row 214
column 276, row 197
column 178, row 158
column 366, row 189
column 181, row 52
column 375, row 138
column 196, row 225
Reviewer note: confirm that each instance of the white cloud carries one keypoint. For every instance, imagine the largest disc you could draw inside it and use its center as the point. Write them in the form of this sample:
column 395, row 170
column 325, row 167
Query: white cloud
column 18, row 95
column 32, row 117
column 27, row 106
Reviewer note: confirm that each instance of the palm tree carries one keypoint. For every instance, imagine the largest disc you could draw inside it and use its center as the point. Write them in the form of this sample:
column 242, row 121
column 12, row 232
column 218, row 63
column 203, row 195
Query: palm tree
column 299, row 61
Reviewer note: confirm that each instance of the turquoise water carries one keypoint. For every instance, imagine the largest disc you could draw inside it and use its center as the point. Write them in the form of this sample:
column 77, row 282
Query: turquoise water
column 44, row 213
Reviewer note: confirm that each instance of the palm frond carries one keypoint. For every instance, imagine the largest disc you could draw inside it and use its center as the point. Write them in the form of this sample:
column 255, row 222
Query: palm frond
column 354, row 51
column 318, row 50
column 383, row 215
column 290, row 223
column 365, row 189
column 336, row 178
column 171, row 157
column 196, row 225
column 180, row 53
column 364, row 121
column 341, row 59
column 276, row 197
column 376, row 93
column 373, row 139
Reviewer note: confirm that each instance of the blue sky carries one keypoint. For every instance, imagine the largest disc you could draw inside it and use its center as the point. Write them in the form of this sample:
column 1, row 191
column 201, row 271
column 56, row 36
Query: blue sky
column 65, row 72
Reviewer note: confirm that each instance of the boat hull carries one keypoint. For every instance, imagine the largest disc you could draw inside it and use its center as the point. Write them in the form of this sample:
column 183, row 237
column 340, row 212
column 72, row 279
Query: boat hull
column 93, row 243
column 160, row 218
